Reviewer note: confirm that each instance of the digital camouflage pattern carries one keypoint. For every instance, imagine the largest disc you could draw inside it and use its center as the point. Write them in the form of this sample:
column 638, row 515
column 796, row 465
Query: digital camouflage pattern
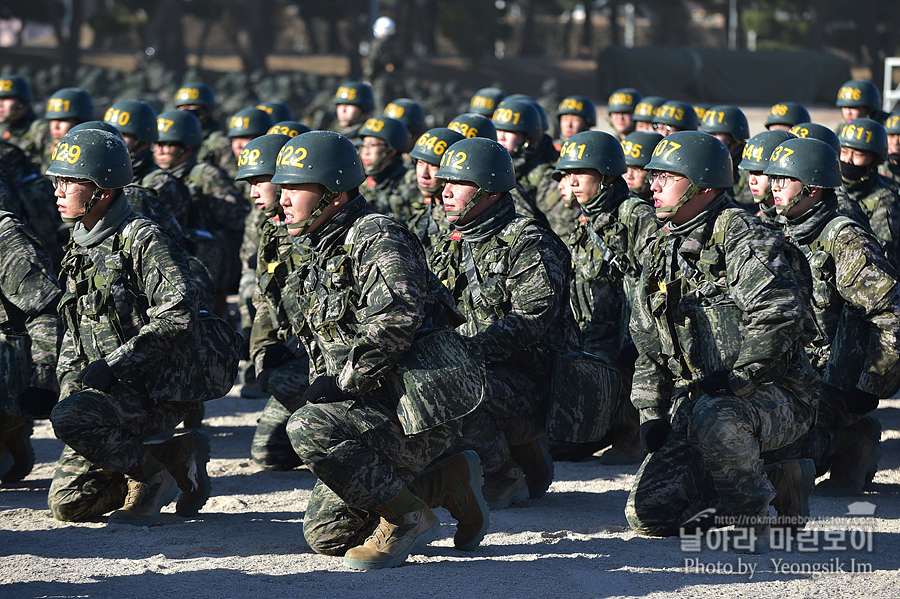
column 20, row 134
column 385, row 191
column 216, row 150
column 882, row 207
column 271, row 447
column 423, row 215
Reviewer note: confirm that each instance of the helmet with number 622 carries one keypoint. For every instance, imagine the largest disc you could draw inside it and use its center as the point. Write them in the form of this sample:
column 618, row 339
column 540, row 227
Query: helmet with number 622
column 700, row 157
column 432, row 144
column 481, row 161
column 92, row 154
column 591, row 149
column 322, row 157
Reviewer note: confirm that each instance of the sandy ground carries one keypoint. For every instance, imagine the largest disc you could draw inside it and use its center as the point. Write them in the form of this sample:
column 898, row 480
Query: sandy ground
column 248, row 541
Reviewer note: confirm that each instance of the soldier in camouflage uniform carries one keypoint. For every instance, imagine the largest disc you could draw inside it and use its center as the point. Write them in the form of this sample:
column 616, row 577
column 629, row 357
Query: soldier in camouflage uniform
column 859, row 98
column 353, row 103
column 114, row 332
column 673, row 116
column 361, row 300
column 754, row 161
column 384, row 140
column 620, row 110
column 784, row 115
column 890, row 168
column 16, row 113
column 638, row 147
column 607, row 250
column 729, row 125
column 65, row 109
column 510, row 276
column 29, row 333
column 485, row 101
column 575, row 114
column 199, row 99
column 856, row 303
column 863, row 148
column 721, row 375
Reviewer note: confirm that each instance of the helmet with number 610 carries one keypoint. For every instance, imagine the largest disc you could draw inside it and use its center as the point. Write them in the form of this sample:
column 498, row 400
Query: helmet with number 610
column 481, row 161
column 133, row 117
column 322, row 157
column 432, row 144
column 92, row 154
column 591, row 149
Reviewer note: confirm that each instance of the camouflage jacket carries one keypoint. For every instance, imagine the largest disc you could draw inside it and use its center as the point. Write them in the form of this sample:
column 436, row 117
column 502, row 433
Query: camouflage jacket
column 361, row 296
column 128, row 298
column 385, row 191
column 218, row 201
column 891, row 172
column 146, row 202
column 20, row 134
column 851, row 273
column 607, row 249
column 169, row 190
column 216, row 150
column 40, row 143
column 510, row 277
column 717, row 293
column 29, row 293
column 882, row 206
column 533, row 177
column 425, row 215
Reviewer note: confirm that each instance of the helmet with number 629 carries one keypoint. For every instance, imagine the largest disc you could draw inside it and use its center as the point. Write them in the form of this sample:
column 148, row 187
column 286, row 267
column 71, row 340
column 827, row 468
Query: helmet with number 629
column 92, row 154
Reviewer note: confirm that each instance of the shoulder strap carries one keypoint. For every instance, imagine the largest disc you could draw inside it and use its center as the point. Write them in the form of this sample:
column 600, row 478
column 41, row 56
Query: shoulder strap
column 723, row 222
column 825, row 241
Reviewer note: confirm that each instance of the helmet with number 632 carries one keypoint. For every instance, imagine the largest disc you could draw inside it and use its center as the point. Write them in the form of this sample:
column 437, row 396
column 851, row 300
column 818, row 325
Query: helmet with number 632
column 322, row 157
column 481, row 161
column 639, row 146
column 700, row 157
column 133, row 117
column 92, row 154
column 591, row 149
column 179, row 126
column 813, row 162
column 259, row 155
column 432, row 144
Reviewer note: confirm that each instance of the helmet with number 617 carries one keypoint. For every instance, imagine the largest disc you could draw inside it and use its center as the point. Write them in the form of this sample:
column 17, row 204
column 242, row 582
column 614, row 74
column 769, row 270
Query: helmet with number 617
column 322, row 157
column 481, row 161
column 92, row 154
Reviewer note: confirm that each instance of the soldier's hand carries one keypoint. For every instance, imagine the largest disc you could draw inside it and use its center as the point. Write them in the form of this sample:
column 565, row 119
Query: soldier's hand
column 654, row 434
column 716, row 384
column 860, row 402
column 98, row 375
column 325, row 390
column 276, row 355
column 37, row 402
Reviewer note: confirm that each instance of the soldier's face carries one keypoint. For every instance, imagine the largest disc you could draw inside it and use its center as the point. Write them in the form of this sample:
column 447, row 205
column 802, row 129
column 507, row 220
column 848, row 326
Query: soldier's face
column 10, row 109
column 893, row 144
column 635, row 177
column 622, row 122
column 456, row 195
column 643, row 126
column 853, row 112
column 857, row 157
column 511, row 140
column 59, row 127
column 758, row 184
column 72, row 195
column 779, row 127
column 299, row 201
column 238, row 143
column 584, row 183
column 425, row 175
column 348, row 114
column 570, row 124
column 263, row 192
column 168, row 155
column 668, row 195
column 373, row 151
column 785, row 189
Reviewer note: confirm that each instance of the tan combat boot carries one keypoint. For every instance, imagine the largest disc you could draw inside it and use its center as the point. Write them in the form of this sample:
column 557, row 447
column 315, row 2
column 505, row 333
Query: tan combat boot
column 854, row 464
column 536, row 463
column 186, row 456
column 793, row 481
column 455, row 484
column 407, row 525
column 146, row 498
column 505, row 487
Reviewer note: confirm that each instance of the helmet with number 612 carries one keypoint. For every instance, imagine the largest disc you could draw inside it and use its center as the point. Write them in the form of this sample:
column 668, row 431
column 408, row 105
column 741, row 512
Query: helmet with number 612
column 481, row 161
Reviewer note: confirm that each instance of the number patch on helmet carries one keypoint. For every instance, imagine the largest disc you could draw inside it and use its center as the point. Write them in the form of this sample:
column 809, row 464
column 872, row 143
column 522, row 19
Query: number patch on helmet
column 632, row 149
column 346, row 93
column 375, row 125
column 64, row 152
column 454, row 160
column 625, row 99
column 249, row 157
column 891, row 122
column 779, row 110
column 665, row 147
column 573, row 104
column 57, row 105
column 432, row 144
column 463, row 128
column 164, row 124
column 118, row 117
column 187, row 93
column 572, row 150
column 482, row 102
column 849, row 93
column 291, row 156
column 394, row 111
column 505, row 115
column 239, row 122
column 851, row 131
column 670, row 111
column 781, row 153
column 753, row 152
column 711, row 117
column 6, row 85
column 283, row 130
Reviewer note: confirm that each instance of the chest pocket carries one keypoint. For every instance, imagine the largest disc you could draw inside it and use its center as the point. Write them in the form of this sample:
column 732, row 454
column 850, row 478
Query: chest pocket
column 329, row 303
column 495, row 262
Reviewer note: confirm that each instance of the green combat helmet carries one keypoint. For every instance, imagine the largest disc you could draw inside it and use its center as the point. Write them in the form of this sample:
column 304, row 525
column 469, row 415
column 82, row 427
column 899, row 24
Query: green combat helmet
column 179, row 126
column 432, row 144
column 787, row 114
column 289, row 128
column 859, row 92
column 865, row 134
column 101, row 125
column 388, row 129
column 279, row 111
column 591, row 149
column 409, row 112
column 820, row 132
column 356, row 93
column 259, row 155
column 892, row 123
column 70, row 103
column 675, row 114
column 646, row 108
column 755, row 157
column 13, row 86
column 545, row 122
column 322, row 157
column 486, row 100
column 726, row 119
column 195, row 93
column 133, row 117
column 814, row 163
column 472, row 124
column 519, row 116
column 700, row 157
column 624, row 100
column 249, row 122
column 579, row 106
column 638, row 147
column 481, row 161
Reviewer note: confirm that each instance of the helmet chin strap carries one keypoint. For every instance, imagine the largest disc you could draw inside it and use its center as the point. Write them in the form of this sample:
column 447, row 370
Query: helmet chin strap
column 380, row 164
column 689, row 193
column 784, row 209
column 477, row 197
column 763, row 200
column 95, row 197
column 306, row 223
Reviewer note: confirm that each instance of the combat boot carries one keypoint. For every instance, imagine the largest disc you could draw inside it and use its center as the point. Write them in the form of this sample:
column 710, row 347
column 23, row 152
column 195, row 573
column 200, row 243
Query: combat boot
column 455, row 484
column 626, row 449
column 17, row 443
column 194, row 418
column 536, row 463
column 186, row 456
column 793, row 481
column 505, row 487
column 753, row 534
column 407, row 525
column 854, row 464
column 145, row 499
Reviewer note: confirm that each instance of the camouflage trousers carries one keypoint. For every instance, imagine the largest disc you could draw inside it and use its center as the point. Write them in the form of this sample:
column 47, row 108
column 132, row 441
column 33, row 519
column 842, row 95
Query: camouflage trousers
column 246, row 287
column 514, row 412
column 271, row 447
column 711, row 458
column 362, row 459
column 104, row 436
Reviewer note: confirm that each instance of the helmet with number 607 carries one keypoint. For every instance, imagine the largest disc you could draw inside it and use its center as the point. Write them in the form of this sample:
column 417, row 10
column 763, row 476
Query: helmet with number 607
column 813, row 162
column 432, row 144
column 472, row 124
column 92, row 154
column 70, row 103
column 322, row 157
column 591, row 149
column 481, row 161
column 133, row 117
column 639, row 146
column 179, row 126
column 259, row 155
column 700, row 157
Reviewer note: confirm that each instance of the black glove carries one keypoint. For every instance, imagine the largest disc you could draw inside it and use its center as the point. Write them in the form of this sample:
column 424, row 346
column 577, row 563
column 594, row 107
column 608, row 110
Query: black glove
column 860, row 402
column 654, row 433
column 716, row 384
column 245, row 348
column 98, row 375
column 325, row 390
column 262, row 380
column 275, row 356
column 37, row 402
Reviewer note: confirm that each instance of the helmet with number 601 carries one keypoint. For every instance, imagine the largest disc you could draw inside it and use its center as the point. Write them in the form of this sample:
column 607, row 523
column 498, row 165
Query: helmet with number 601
column 700, row 157
column 432, row 144
column 289, row 128
column 472, row 124
column 92, row 154
column 481, row 161
column 591, row 149
column 579, row 106
column 249, row 122
column 13, row 86
column 356, row 93
column 259, row 155
column 787, row 113
column 813, row 162
column 70, row 103
column 322, row 157
column 865, row 134
column 195, row 92
column 755, row 156
column 179, row 126
column 133, row 117
column 639, row 146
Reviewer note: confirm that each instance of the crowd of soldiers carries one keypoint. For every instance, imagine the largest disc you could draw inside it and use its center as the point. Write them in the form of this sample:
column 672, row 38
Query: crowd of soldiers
column 436, row 314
